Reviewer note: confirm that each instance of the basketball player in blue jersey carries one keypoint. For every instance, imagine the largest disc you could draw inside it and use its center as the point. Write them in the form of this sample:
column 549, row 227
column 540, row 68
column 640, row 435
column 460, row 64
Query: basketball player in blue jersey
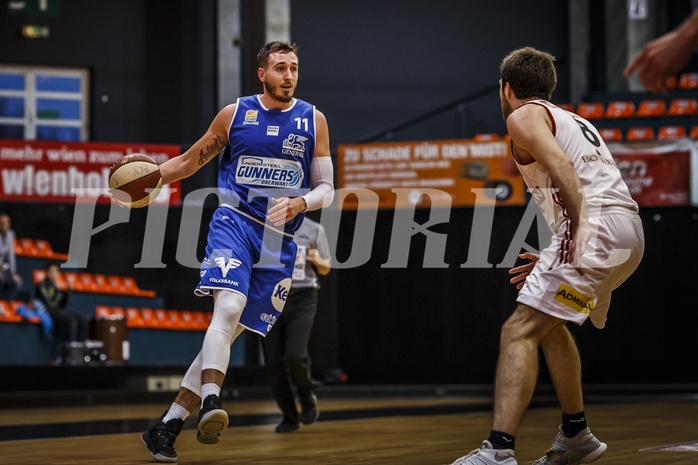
column 275, row 166
column 597, row 244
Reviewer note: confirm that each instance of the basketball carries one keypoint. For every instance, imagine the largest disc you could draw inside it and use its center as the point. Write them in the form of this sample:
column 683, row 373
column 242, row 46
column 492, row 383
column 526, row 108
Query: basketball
column 135, row 180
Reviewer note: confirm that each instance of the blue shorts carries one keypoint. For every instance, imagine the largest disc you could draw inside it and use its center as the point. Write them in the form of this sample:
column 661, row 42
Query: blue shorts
column 246, row 257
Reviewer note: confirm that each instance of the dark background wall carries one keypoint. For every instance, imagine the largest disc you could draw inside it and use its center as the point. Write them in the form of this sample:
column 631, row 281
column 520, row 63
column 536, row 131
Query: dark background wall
column 367, row 65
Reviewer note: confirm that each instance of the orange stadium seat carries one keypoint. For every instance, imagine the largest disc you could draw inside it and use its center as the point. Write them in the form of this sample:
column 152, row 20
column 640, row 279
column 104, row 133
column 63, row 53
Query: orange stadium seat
column 688, row 81
column 130, row 287
column 116, row 284
column 71, row 277
column 26, row 247
column 671, row 132
column 202, row 320
column 683, row 107
column 118, row 313
column 640, row 133
column 102, row 284
column 88, row 282
column 146, row 293
column 134, row 319
column 7, row 313
column 590, row 110
column 611, row 134
column 186, row 319
column 566, row 106
column 620, row 109
column 162, row 319
column 46, row 251
column 651, row 108
column 103, row 312
column 43, row 248
column 148, row 316
column 694, row 132
column 176, row 320
column 39, row 275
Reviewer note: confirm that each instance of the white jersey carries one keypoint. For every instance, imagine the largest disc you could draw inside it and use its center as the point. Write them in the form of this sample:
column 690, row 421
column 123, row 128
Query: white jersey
column 597, row 170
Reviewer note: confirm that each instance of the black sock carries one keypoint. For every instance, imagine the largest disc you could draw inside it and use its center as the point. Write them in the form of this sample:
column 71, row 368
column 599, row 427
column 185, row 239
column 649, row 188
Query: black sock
column 573, row 423
column 501, row 440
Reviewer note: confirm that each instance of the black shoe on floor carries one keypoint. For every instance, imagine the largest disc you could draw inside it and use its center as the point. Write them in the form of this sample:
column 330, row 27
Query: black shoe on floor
column 309, row 412
column 212, row 420
column 160, row 439
column 287, row 427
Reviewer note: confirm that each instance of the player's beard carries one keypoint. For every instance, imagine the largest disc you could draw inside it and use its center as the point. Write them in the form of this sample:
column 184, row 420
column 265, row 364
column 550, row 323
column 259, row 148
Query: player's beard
column 279, row 93
column 506, row 109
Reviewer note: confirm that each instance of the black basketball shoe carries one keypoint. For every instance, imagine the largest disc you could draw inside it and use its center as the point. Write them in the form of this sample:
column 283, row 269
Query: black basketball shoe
column 160, row 439
column 212, row 420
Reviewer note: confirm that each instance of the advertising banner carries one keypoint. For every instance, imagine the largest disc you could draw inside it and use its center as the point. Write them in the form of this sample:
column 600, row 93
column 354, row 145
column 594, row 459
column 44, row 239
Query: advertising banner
column 451, row 172
column 37, row 171
column 661, row 173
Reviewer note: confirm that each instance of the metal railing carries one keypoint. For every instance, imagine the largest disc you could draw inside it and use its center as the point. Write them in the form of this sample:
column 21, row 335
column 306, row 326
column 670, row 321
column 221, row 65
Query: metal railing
column 389, row 131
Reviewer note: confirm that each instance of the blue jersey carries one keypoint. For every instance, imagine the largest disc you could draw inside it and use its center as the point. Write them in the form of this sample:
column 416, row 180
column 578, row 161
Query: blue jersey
column 268, row 155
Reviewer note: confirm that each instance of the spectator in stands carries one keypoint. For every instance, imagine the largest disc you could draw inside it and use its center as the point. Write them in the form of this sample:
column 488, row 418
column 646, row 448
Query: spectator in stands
column 10, row 281
column 286, row 346
column 52, row 295
column 666, row 55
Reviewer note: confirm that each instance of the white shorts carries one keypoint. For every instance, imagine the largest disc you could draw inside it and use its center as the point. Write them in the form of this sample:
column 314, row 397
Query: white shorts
column 613, row 253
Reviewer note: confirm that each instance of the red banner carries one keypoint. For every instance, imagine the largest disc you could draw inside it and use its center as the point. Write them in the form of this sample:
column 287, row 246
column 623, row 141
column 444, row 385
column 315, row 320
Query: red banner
column 35, row 171
column 657, row 174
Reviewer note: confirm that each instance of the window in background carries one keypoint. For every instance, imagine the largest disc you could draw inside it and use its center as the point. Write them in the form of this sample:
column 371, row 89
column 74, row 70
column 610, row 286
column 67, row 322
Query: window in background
column 43, row 103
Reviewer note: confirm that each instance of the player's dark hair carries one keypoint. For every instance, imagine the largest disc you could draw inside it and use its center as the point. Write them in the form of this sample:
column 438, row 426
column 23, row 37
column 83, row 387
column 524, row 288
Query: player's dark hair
column 530, row 73
column 276, row 46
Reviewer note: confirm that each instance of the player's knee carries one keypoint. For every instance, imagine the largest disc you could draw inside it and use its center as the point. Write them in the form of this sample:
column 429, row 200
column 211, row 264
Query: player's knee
column 524, row 324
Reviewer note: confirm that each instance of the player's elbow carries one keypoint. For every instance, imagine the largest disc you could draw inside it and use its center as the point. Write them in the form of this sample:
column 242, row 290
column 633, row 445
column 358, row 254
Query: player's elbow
column 329, row 197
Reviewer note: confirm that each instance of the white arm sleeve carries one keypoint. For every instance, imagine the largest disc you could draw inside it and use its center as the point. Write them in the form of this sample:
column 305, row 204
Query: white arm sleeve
column 322, row 182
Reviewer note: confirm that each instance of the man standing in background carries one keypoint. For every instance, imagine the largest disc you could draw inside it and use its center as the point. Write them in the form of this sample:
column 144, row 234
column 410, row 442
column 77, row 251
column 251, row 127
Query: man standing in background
column 286, row 345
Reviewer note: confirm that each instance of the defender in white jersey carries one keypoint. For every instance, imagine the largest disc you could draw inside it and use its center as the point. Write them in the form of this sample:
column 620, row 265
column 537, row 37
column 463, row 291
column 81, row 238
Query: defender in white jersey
column 275, row 166
column 597, row 244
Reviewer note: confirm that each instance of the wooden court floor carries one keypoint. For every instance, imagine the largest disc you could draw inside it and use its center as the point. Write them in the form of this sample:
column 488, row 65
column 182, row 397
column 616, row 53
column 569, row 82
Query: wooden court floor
column 420, row 430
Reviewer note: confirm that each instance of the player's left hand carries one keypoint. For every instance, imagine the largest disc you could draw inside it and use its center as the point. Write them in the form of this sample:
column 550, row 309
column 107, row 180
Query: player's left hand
column 284, row 210
column 523, row 271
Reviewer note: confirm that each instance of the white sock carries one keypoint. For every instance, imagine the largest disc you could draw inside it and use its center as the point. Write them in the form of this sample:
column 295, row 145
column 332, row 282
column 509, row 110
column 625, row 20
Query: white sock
column 208, row 389
column 175, row 411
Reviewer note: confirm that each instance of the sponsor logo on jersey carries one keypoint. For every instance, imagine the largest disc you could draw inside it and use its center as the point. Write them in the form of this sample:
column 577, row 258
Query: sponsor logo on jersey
column 280, row 294
column 294, row 145
column 251, row 117
column 272, row 130
column 225, row 267
column 263, row 171
column 574, row 299
column 598, row 157
column 202, row 273
column 267, row 318
column 231, row 282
